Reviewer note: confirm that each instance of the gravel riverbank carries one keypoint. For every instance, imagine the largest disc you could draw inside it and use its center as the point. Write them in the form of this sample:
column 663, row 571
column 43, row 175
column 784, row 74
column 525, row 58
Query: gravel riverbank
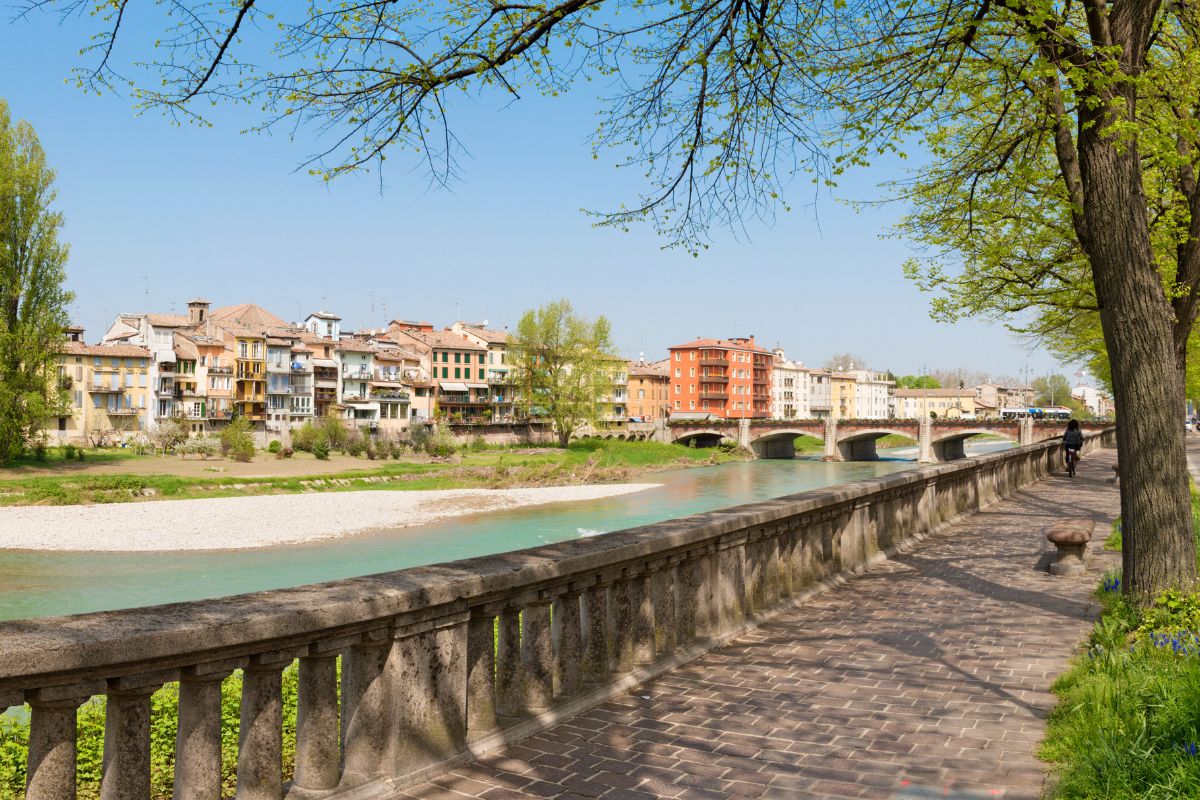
column 242, row 522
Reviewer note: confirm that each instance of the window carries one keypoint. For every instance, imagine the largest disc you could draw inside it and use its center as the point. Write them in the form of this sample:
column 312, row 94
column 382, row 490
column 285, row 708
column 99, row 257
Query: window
column 116, row 362
column 641, row 394
column 329, row 328
column 676, row 405
column 481, row 359
column 678, row 356
column 445, row 372
column 243, row 349
column 481, row 372
column 678, row 372
column 78, row 399
column 445, row 357
column 97, row 363
column 456, row 371
column 678, row 388
column 693, row 372
column 491, row 358
column 457, row 358
column 692, row 404
column 692, row 355
column 129, row 380
column 142, row 379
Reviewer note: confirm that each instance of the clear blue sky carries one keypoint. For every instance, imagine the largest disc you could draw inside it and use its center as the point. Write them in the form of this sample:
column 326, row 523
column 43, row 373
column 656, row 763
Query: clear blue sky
column 222, row 214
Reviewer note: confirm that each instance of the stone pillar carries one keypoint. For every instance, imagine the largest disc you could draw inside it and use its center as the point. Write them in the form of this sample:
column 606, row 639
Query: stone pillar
column 731, row 586
column 198, row 736
column 537, row 655
column 688, row 608
column 481, row 673
column 832, row 452
column 1025, row 431
column 567, row 635
column 622, row 622
column 509, row 699
column 52, row 734
column 925, row 441
column 428, row 671
column 260, row 737
column 666, row 631
column 595, row 637
column 641, row 602
column 126, row 770
column 317, row 751
column 772, row 578
column 366, row 705
column 744, row 433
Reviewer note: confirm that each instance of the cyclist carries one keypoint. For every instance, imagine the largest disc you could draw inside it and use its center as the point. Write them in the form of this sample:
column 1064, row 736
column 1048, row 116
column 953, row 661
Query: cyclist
column 1072, row 443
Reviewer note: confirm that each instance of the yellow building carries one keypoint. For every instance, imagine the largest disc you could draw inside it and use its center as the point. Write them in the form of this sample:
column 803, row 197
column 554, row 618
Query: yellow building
column 843, row 394
column 250, row 380
column 108, row 393
column 935, row 403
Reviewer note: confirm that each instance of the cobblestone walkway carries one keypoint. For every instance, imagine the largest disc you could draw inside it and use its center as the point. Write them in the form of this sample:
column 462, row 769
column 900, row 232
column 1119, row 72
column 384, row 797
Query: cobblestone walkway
column 927, row 677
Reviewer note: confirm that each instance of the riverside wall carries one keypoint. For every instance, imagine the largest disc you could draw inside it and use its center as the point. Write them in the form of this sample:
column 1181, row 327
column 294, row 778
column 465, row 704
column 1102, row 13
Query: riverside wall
column 405, row 674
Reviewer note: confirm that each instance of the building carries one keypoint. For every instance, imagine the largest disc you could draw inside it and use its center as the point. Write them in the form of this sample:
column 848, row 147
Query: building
column 394, row 370
column 843, row 395
column 649, row 390
column 458, row 372
column 789, row 387
column 612, row 411
column 872, row 394
column 820, row 393
column 727, row 378
column 108, row 391
column 501, row 387
column 935, row 403
column 358, row 407
column 1095, row 401
column 992, row 398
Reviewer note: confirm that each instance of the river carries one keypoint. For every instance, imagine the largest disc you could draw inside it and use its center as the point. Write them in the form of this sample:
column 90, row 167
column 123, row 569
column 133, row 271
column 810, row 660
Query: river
column 44, row 583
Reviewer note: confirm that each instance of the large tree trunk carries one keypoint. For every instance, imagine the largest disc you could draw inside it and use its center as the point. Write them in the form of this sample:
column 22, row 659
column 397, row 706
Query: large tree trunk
column 1159, row 549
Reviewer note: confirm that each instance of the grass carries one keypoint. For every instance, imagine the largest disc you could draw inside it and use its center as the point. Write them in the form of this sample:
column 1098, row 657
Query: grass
column 590, row 461
column 56, row 460
column 1127, row 725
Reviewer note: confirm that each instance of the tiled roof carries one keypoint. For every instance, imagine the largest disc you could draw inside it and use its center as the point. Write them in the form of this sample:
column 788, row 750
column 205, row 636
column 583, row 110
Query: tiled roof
column 113, row 350
column 726, row 344
column 351, row 346
column 488, row 335
column 325, row 315
column 248, row 314
column 185, row 347
column 168, row 320
column 444, row 339
column 647, row 370
column 935, row 393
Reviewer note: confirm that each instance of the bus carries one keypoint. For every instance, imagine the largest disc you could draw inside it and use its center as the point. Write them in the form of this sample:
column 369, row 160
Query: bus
column 1054, row 413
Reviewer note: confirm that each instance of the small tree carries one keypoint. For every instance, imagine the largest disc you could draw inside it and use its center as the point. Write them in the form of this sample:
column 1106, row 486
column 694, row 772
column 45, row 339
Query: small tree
column 32, row 298
column 169, row 434
column 236, row 441
column 561, row 365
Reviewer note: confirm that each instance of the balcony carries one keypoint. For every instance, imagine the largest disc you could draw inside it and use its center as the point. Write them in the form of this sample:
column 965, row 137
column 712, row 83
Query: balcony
column 279, row 390
column 165, row 390
column 98, row 388
column 716, row 378
column 714, row 395
column 713, row 362
column 298, row 366
column 357, row 373
column 220, row 413
column 390, row 394
column 220, row 370
column 113, row 411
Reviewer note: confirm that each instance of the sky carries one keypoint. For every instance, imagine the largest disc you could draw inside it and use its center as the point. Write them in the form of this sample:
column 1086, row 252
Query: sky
column 157, row 214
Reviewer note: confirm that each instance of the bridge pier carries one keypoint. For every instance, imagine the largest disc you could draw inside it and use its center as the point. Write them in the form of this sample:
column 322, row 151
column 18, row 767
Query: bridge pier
column 743, row 436
column 925, row 454
column 1025, row 432
column 951, row 450
column 775, row 448
column 832, row 451
column 858, row 450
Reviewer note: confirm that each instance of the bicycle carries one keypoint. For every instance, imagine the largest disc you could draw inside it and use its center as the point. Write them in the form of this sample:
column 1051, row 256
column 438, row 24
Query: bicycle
column 1072, row 460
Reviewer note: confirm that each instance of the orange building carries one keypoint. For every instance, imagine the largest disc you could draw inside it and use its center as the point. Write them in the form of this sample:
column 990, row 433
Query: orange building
column 649, row 391
column 729, row 378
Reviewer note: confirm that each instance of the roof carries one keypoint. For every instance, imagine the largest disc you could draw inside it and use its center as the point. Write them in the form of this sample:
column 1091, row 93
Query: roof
column 113, row 350
column 936, row 393
column 395, row 354
column 325, row 315
column 197, row 301
column 447, row 340
column 639, row 370
column 248, row 314
column 169, row 320
column 724, row 344
column 299, row 348
column 185, row 347
column 275, row 341
column 351, row 346
column 488, row 335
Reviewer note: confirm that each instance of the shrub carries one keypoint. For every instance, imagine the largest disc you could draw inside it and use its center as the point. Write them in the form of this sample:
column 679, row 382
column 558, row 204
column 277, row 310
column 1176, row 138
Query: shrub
column 441, row 444
column 274, row 446
column 354, row 444
column 320, row 449
column 39, row 451
column 304, row 437
column 478, row 443
column 236, row 441
column 370, row 452
column 79, row 454
column 203, row 446
column 420, row 434
column 334, row 431
column 69, row 452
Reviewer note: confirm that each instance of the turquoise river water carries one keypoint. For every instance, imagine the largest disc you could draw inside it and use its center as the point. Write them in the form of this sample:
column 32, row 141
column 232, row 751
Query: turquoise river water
column 43, row 583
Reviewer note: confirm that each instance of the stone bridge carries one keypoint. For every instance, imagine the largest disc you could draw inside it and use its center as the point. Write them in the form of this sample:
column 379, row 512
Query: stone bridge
column 854, row 439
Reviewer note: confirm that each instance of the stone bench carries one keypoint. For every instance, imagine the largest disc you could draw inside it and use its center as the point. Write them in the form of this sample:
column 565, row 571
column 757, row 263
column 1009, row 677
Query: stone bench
column 1072, row 538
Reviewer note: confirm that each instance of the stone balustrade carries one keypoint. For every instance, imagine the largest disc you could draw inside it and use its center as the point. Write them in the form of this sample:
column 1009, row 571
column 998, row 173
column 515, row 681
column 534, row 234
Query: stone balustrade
column 404, row 674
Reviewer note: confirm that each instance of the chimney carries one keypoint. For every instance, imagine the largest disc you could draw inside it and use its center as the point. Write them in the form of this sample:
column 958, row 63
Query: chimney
column 197, row 311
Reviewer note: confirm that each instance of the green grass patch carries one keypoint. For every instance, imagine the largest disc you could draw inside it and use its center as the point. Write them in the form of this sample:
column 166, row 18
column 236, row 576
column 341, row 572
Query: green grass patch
column 808, row 444
column 1127, row 725
column 589, row 461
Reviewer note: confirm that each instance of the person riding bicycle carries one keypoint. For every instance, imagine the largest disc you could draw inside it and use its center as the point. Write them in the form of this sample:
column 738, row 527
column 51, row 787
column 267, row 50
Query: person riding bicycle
column 1072, row 440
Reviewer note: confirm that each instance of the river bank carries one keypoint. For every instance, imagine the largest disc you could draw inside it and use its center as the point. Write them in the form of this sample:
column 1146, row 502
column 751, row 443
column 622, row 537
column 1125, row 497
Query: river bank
column 249, row 522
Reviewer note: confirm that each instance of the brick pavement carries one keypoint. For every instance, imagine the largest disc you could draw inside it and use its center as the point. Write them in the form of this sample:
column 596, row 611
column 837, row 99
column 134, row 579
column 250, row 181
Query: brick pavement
column 926, row 677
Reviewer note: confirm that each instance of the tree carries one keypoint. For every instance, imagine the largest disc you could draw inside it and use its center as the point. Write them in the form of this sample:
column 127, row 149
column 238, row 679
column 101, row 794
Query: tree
column 32, row 298
column 844, row 362
column 562, row 366
column 720, row 102
column 917, row 382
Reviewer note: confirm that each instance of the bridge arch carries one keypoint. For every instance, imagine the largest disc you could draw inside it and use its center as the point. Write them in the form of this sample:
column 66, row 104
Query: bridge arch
column 780, row 442
column 703, row 438
column 858, row 444
column 951, row 445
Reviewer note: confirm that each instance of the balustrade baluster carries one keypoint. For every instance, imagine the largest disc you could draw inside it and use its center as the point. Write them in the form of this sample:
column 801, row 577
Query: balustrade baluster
column 198, row 736
column 641, row 599
column 595, row 618
column 317, row 739
column 52, row 733
column 773, row 572
column 126, row 766
column 428, row 669
column 568, row 644
column 622, row 622
column 366, row 708
column 662, row 585
column 260, row 736
column 481, row 673
column 688, row 604
column 509, row 672
column 537, row 655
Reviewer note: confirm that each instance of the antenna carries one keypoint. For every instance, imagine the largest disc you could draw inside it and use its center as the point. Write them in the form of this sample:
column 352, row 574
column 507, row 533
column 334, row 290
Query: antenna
column 371, row 295
column 146, row 283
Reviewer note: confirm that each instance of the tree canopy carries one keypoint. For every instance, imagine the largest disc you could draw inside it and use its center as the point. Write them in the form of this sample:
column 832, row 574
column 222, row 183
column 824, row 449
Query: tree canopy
column 32, row 297
column 564, row 366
